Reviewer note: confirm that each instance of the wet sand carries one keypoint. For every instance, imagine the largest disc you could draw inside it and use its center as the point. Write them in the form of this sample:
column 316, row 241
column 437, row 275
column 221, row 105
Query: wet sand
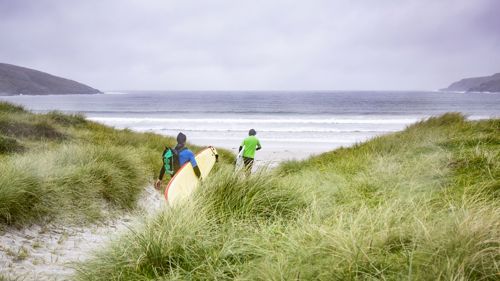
column 272, row 155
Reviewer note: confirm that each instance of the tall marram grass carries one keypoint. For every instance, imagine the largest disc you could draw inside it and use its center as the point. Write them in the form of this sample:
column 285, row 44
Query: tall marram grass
column 72, row 176
column 61, row 166
column 212, row 236
column 421, row 204
column 9, row 145
column 227, row 195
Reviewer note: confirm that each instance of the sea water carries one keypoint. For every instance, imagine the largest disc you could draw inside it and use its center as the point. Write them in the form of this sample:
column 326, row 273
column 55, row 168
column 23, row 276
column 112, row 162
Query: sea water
column 288, row 124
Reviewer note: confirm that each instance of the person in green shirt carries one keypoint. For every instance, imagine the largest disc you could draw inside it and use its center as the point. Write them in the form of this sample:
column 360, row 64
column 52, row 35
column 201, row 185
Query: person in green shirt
column 249, row 145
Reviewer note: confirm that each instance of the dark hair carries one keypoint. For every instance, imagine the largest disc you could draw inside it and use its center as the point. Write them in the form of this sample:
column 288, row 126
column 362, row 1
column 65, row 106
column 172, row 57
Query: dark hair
column 181, row 138
column 252, row 132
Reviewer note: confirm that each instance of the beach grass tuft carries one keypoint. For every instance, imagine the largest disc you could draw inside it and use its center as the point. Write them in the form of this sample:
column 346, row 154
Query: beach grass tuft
column 228, row 195
column 9, row 145
column 67, row 120
column 38, row 130
column 7, row 107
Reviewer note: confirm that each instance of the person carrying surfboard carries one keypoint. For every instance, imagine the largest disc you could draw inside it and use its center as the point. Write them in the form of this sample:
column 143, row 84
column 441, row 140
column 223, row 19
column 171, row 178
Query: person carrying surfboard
column 181, row 154
column 249, row 145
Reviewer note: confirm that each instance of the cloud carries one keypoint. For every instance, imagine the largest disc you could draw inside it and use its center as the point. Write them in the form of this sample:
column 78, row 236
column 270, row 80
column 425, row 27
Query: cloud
column 254, row 45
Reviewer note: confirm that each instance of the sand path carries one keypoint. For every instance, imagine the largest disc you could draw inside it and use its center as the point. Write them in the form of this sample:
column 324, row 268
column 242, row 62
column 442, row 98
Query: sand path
column 48, row 252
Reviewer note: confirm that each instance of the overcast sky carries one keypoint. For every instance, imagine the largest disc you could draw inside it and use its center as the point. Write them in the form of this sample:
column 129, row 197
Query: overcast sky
column 254, row 45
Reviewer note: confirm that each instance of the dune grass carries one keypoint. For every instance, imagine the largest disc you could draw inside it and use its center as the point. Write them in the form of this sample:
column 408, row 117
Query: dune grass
column 9, row 145
column 60, row 166
column 421, row 204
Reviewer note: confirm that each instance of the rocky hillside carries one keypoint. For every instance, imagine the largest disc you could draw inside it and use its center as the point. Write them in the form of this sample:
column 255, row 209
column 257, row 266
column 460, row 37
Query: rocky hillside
column 477, row 84
column 488, row 86
column 16, row 80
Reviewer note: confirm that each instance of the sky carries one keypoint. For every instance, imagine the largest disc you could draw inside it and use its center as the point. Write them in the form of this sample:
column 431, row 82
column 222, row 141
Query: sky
column 254, row 45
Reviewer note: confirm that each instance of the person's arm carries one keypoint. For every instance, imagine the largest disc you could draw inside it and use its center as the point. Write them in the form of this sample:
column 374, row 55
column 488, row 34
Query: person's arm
column 258, row 145
column 241, row 146
column 162, row 170
column 160, row 177
column 162, row 173
column 196, row 169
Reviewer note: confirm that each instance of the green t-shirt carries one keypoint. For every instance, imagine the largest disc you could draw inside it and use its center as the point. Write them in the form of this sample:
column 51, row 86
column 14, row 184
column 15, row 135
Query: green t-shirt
column 251, row 143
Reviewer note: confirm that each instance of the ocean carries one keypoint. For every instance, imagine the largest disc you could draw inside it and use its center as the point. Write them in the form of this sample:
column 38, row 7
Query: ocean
column 290, row 125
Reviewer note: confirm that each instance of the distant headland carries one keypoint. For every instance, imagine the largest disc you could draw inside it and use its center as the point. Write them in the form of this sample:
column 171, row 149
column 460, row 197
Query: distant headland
column 476, row 84
column 16, row 80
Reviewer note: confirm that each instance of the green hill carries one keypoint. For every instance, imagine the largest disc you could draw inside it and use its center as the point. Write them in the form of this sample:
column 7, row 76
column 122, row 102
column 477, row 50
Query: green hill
column 477, row 84
column 17, row 80
column 422, row 204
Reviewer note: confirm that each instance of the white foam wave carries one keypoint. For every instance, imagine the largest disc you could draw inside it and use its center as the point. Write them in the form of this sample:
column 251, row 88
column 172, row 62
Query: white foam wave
column 284, row 130
column 114, row 93
column 279, row 140
column 133, row 120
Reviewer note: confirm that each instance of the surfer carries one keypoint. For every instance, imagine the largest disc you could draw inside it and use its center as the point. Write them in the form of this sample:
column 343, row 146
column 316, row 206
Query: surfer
column 249, row 145
column 183, row 154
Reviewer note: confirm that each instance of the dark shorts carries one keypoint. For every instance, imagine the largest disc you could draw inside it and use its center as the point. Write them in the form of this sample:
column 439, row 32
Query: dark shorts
column 248, row 163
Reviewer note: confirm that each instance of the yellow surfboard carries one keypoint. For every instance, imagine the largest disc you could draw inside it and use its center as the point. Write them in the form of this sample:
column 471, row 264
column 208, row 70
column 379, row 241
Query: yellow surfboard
column 184, row 182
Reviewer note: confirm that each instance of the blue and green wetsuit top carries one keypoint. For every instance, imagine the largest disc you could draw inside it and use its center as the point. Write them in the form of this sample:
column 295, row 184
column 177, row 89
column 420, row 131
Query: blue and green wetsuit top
column 186, row 155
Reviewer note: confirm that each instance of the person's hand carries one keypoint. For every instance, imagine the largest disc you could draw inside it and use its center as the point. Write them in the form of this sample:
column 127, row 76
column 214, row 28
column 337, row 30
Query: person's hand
column 158, row 184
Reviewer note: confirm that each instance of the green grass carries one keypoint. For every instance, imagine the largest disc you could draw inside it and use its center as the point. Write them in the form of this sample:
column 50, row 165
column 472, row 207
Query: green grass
column 59, row 166
column 421, row 204
column 9, row 145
